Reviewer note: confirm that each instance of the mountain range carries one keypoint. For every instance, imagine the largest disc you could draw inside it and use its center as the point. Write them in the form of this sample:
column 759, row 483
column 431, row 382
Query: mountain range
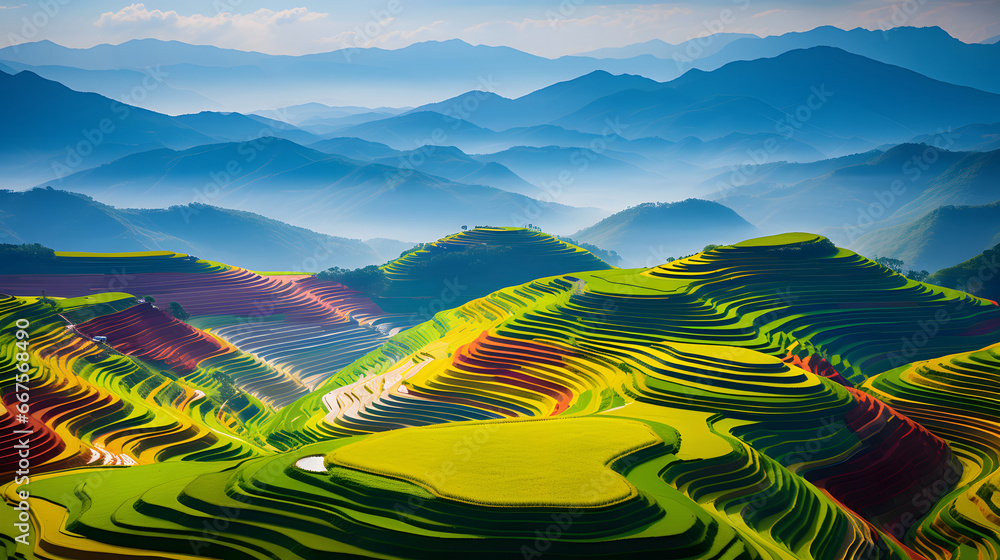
column 771, row 138
column 930, row 51
column 650, row 234
column 938, row 239
column 810, row 103
column 692, row 49
column 246, row 81
column 647, row 327
column 52, row 130
column 74, row 222
column 320, row 191
column 851, row 196
column 822, row 95
column 703, row 118
column 196, row 78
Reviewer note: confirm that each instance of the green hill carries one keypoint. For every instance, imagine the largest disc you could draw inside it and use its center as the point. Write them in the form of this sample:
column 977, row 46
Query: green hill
column 978, row 276
column 69, row 221
column 648, row 234
column 938, row 239
column 475, row 263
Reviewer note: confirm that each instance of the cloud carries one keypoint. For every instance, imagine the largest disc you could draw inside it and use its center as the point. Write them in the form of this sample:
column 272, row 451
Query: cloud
column 768, row 13
column 283, row 30
column 139, row 14
column 12, row 7
column 385, row 34
column 572, row 28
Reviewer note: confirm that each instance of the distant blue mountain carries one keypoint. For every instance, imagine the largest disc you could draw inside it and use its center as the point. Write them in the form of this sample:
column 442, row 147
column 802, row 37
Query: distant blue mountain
column 938, row 239
column 693, row 49
column 354, row 148
column 74, row 222
column 930, row 51
column 646, row 235
column 238, row 128
column 412, row 130
column 813, row 102
column 40, row 115
column 489, row 110
column 969, row 138
column 809, row 94
column 331, row 194
column 451, row 163
column 51, row 130
column 583, row 177
column 141, row 88
column 428, row 72
column 738, row 148
column 443, row 161
column 324, row 126
column 137, row 54
column 417, row 74
column 297, row 114
column 848, row 197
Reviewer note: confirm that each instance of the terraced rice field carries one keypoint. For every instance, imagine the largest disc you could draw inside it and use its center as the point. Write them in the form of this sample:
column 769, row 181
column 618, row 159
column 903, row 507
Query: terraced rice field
column 230, row 305
column 473, row 264
column 779, row 398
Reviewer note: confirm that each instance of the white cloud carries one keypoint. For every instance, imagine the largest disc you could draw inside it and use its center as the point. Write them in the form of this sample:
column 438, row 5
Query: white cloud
column 768, row 13
column 281, row 31
column 384, row 34
column 584, row 28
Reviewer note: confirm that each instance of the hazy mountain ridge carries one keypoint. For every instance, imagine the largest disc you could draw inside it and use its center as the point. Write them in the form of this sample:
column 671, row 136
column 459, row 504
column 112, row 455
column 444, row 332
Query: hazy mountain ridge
column 848, row 197
column 835, row 93
column 930, row 51
column 69, row 221
column 597, row 139
column 324, row 192
column 649, row 234
column 224, row 74
column 939, row 239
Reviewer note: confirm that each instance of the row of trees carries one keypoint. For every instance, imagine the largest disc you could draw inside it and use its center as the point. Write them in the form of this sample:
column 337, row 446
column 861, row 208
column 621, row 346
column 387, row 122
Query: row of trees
column 368, row 280
column 610, row 257
column 27, row 251
column 897, row 266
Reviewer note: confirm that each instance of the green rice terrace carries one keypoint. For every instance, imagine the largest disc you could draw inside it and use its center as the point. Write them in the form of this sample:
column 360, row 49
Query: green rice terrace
column 779, row 398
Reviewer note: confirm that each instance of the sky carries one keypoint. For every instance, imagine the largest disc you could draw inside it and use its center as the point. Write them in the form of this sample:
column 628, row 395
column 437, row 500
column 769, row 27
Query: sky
column 548, row 27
